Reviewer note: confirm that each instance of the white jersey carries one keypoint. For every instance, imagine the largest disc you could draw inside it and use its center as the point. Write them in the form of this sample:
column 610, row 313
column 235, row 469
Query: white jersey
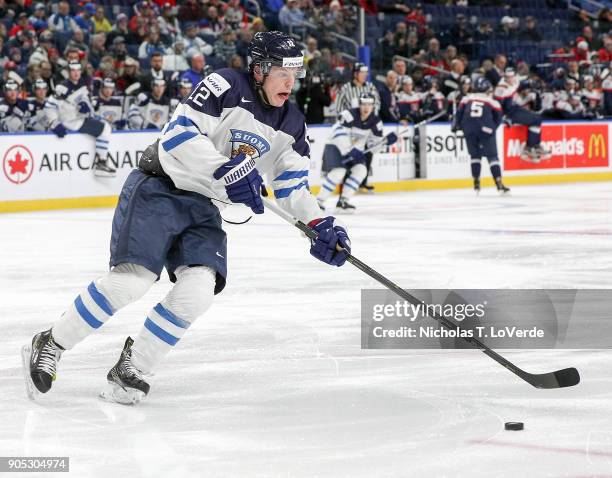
column 38, row 116
column 224, row 116
column 351, row 132
column 13, row 115
column 109, row 110
column 64, row 106
column 147, row 112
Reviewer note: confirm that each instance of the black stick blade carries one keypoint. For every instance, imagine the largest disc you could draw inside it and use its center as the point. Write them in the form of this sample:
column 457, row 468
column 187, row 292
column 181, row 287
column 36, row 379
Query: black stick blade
column 568, row 377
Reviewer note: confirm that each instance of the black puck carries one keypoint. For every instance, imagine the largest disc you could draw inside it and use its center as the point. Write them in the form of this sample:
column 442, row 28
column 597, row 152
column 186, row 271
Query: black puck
column 514, row 426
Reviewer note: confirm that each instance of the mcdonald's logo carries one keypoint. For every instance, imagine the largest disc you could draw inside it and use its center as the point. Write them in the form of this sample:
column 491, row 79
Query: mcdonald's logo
column 597, row 146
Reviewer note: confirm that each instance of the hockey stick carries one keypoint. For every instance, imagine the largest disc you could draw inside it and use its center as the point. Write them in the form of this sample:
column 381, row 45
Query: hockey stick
column 566, row 377
column 404, row 131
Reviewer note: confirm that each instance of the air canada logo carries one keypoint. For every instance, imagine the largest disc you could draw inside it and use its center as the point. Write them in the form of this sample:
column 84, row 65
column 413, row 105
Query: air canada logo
column 249, row 143
column 18, row 164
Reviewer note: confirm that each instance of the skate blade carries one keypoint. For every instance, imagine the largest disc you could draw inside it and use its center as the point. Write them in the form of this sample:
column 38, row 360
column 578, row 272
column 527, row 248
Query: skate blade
column 117, row 394
column 104, row 174
column 504, row 193
column 31, row 390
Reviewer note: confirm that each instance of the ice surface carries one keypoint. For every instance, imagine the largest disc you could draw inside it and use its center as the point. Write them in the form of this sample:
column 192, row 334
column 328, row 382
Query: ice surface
column 272, row 381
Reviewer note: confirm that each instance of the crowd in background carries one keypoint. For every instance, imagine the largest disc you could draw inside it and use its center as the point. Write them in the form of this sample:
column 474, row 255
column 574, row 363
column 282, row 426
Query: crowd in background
column 416, row 70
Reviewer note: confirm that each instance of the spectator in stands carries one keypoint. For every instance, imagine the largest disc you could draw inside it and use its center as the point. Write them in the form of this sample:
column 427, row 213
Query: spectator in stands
column 452, row 82
column 168, row 23
column 312, row 50
column 387, row 90
column 257, row 25
column 604, row 19
column 22, row 24
column 101, row 23
column 573, row 71
column 225, row 46
column 506, row 27
column 530, row 32
column 155, row 72
column 401, row 69
column 38, row 19
column 152, row 44
column 449, row 55
column 409, row 102
column 97, row 49
column 581, row 52
column 174, row 59
column 242, row 44
column 129, row 75
column 593, row 41
column 77, row 42
column 193, row 43
column 212, row 24
column 291, row 17
column 119, row 51
column 484, row 32
column 40, row 53
column 62, row 21
column 313, row 96
column 32, row 74
column 85, row 19
column 236, row 62
column 433, row 56
column 198, row 69
column 235, row 15
column 120, row 29
column 605, row 53
column 190, row 11
column 46, row 73
column 497, row 72
column 580, row 20
column 417, row 18
column 461, row 33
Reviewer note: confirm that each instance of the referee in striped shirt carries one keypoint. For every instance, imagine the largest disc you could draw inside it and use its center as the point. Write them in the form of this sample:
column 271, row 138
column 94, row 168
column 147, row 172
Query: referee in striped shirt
column 348, row 96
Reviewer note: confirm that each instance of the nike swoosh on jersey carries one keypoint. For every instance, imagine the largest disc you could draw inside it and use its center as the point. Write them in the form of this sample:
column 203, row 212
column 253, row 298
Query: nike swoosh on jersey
column 242, row 100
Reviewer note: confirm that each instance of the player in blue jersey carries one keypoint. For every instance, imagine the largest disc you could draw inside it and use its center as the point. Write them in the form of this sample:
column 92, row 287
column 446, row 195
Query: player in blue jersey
column 478, row 117
column 232, row 127
column 343, row 155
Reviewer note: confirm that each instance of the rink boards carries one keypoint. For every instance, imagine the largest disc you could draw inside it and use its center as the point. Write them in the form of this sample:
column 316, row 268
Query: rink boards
column 40, row 171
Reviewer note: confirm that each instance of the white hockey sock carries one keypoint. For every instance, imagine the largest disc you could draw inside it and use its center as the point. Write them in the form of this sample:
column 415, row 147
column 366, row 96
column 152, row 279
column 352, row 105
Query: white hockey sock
column 352, row 183
column 119, row 287
column 168, row 321
column 328, row 186
column 102, row 142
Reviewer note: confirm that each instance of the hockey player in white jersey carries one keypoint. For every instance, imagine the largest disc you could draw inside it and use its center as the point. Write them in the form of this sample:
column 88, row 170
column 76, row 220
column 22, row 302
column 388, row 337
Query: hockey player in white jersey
column 150, row 111
column 234, row 126
column 109, row 107
column 13, row 110
column 38, row 118
column 70, row 108
column 343, row 152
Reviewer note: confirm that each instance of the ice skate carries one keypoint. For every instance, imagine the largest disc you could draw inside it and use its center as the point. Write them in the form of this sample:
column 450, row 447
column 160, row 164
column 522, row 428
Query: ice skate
column 40, row 363
column 542, row 152
column 125, row 382
column 501, row 189
column 530, row 154
column 103, row 169
column 477, row 186
column 343, row 206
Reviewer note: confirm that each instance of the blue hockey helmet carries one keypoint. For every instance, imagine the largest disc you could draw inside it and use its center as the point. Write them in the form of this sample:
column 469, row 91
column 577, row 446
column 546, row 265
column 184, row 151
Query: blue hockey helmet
column 366, row 99
column 268, row 49
column 482, row 85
